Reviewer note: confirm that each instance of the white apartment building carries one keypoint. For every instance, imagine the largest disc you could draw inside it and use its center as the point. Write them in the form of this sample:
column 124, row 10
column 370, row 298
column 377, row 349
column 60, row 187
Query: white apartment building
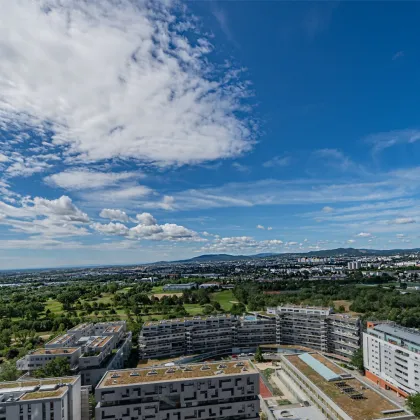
column 354, row 265
column 392, row 357
column 41, row 399
column 90, row 356
column 227, row 391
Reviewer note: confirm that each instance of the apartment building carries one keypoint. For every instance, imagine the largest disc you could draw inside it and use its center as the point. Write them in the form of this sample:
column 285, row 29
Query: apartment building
column 318, row 328
column 392, row 357
column 89, row 356
column 41, row 399
column 226, row 391
column 179, row 287
column 250, row 331
column 211, row 335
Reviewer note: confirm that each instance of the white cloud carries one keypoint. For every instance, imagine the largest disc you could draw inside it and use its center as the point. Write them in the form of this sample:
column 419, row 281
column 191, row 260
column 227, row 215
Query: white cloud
column 381, row 141
column 260, row 227
column 114, row 214
column 3, row 158
column 403, row 221
column 327, row 209
column 400, row 235
column 118, row 80
column 111, row 228
column 149, row 229
column 364, row 235
column 237, row 244
column 62, row 207
column 167, row 203
column 277, row 161
column 351, row 241
column 146, row 219
column 81, row 179
column 240, row 168
column 269, row 228
column 117, row 195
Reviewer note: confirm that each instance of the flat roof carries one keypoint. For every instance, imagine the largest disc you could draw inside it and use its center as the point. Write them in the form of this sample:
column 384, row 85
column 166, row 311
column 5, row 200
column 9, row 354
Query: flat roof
column 319, row 367
column 37, row 395
column 100, row 341
column 113, row 329
column 37, row 382
column 57, row 350
column 81, row 326
column 369, row 408
column 60, row 339
column 185, row 319
column 406, row 334
column 172, row 373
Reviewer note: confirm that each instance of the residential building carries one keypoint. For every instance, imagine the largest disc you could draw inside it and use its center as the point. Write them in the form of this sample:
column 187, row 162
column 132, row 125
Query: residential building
column 176, row 337
column 89, row 356
column 391, row 356
column 226, row 391
column 179, row 287
column 318, row 328
column 354, row 265
column 336, row 393
column 41, row 399
column 250, row 331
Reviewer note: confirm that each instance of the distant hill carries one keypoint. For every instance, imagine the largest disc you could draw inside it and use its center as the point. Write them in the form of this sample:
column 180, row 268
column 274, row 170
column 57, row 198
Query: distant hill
column 344, row 252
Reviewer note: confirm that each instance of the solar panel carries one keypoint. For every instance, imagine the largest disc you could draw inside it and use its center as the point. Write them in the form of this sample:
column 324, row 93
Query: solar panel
column 319, row 367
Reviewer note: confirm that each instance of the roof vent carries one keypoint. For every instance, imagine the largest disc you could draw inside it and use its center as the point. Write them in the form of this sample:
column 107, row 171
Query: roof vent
column 151, row 373
column 115, row 375
column 218, row 372
column 205, row 367
column 170, row 370
column 240, row 364
column 221, row 366
column 134, row 374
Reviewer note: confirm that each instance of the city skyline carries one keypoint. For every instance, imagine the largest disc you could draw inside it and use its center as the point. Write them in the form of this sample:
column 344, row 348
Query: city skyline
column 179, row 129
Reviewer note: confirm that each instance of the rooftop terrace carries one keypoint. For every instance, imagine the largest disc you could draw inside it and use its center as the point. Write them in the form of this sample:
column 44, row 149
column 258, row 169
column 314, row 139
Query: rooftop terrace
column 172, row 373
column 57, row 350
column 60, row 339
column 371, row 406
column 81, row 327
column 405, row 334
column 100, row 341
column 113, row 329
column 194, row 318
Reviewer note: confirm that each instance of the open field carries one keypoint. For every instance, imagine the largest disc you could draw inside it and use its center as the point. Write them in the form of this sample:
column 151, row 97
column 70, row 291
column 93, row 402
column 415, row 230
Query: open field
column 346, row 304
column 225, row 298
column 161, row 295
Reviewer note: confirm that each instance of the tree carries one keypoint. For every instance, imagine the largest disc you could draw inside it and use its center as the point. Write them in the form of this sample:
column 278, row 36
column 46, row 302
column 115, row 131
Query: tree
column 357, row 359
column 8, row 371
column 413, row 402
column 59, row 366
column 259, row 358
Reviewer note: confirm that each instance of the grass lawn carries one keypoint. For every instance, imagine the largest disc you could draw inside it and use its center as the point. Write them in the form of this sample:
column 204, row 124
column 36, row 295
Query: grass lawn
column 156, row 289
column 54, row 306
column 193, row 308
column 225, row 298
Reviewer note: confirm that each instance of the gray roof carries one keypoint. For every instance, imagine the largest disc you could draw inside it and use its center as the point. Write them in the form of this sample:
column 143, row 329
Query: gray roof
column 405, row 334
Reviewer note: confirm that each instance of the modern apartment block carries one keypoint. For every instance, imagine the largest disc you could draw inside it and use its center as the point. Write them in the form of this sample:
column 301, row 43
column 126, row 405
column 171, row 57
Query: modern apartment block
column 210, row 335
column 91, row 350
column 226, row 391
column 41, row 399
column 250, row 331
column 318, row 328
column 392, row 357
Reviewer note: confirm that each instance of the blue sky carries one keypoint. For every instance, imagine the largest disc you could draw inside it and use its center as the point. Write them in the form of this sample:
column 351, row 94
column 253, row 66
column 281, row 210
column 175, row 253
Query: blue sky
column 141, row 131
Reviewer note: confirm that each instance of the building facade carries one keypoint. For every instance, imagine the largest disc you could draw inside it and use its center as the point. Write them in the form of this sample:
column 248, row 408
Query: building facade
column 226, row 391
column 318, row 328
column 391, row 356
column 211, row 335
column 41, row 399
column 89, row 355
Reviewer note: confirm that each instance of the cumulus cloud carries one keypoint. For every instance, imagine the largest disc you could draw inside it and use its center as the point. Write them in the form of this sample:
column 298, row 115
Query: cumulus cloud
column 118, row 80
column 364, row 234
column 351, row 241
column 327, row 209
column 81, row 179
column 269, row 228
column 114, row 214
column 241, row 244
column 148, row 228
column 260, row 227
column 146, row 219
